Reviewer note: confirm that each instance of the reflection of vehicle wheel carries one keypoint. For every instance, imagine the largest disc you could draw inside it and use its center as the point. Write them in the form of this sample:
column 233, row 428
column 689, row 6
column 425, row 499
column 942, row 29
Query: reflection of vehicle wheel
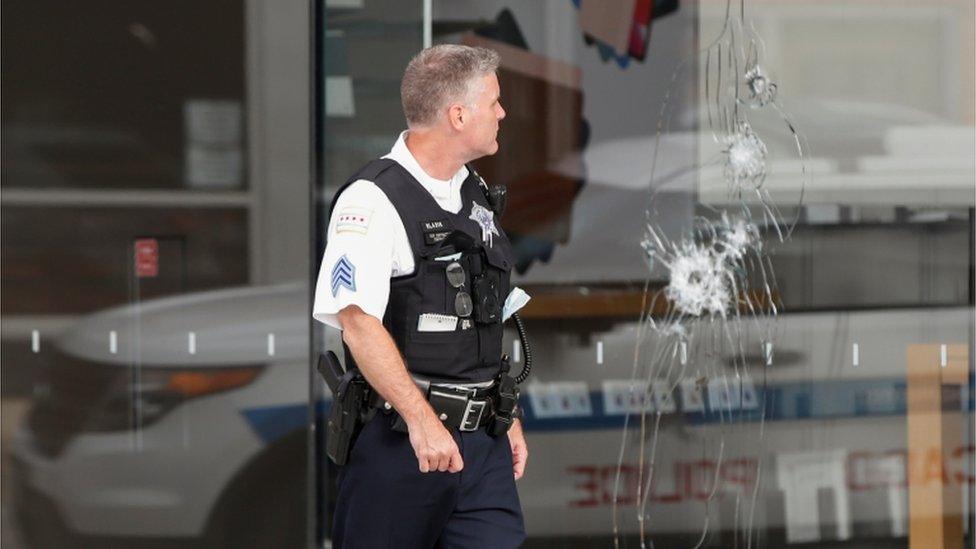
column 265, row 504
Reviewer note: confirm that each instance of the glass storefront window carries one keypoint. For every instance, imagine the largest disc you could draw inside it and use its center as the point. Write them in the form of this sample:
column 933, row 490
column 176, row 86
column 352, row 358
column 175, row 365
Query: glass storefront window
column 808, row 427
column 161, row 234
column 155, row 251
column 150, row 113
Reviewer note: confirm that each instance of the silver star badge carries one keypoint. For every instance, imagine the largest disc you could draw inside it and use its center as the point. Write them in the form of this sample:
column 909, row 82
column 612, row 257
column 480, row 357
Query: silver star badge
column 485, row 219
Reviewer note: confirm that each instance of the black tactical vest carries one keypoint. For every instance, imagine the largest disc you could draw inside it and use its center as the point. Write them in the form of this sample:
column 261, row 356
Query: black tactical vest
column 472, row 351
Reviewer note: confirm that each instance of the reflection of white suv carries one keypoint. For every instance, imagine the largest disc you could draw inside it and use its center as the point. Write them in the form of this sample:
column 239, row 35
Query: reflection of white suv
column 209, row 444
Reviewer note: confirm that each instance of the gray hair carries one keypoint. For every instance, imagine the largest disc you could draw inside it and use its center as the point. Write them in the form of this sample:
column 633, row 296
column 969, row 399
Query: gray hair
column 441, row 74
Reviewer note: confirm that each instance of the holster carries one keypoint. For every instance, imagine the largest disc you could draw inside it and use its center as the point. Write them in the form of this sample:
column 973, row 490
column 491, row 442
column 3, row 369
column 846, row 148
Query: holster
column 505, row 403
column 350, row 398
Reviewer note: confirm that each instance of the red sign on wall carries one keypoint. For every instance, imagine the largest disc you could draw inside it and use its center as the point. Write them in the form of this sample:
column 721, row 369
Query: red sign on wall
column 147, row 257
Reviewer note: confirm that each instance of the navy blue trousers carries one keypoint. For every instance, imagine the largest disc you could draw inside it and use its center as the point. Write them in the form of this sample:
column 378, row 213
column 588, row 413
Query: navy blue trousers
column 385, row 501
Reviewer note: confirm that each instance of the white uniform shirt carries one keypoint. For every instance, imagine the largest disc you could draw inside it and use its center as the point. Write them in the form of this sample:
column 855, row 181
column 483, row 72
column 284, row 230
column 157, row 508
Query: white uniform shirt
column 367, row 243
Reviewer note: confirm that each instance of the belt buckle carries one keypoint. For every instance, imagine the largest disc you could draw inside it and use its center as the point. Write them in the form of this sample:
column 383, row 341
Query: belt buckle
column 469, row 423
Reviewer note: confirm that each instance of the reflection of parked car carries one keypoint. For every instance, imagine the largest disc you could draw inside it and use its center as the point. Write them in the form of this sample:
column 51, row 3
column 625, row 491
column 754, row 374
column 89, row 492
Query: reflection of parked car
column 216, row 448
column 152, row 441
column 830, row 436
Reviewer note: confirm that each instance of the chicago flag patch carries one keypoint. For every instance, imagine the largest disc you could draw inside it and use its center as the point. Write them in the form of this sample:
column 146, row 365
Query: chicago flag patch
column 353, row 220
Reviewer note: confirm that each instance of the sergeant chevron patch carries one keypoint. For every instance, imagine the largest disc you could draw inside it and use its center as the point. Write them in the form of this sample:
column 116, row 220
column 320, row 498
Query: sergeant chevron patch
column 343, row 274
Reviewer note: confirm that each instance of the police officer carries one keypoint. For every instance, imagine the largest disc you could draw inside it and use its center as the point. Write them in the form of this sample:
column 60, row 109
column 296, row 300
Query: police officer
column 414, row 272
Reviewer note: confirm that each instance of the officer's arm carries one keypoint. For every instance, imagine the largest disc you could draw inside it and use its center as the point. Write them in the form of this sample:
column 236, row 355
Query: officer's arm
column 380, row 362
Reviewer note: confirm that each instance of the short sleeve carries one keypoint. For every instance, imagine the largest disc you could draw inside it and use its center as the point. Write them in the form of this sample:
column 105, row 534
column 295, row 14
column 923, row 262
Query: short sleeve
column 359, row 255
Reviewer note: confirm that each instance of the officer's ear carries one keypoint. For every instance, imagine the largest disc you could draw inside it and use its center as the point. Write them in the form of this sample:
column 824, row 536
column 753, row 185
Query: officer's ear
column 457, row 115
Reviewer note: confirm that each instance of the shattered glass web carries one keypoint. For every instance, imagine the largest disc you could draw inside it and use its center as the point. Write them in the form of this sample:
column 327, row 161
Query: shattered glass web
column 721, row 291
column 761, row 90
column 745, row 158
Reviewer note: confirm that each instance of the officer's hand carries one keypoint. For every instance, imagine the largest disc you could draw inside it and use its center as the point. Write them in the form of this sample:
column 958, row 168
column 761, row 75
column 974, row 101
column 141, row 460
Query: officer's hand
column 434, row 446
column 520, row 451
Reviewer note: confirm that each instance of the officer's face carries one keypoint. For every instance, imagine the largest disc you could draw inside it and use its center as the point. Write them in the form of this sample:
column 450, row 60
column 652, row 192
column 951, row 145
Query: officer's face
column 482, row 134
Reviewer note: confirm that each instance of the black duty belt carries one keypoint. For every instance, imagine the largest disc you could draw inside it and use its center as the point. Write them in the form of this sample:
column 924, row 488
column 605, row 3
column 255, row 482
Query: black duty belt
column 466, row 408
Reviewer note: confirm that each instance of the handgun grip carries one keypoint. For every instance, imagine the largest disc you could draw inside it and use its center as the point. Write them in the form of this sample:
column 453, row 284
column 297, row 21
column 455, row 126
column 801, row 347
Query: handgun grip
column 330, row 370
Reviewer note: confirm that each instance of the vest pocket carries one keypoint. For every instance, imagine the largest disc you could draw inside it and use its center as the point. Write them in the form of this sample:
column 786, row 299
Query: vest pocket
column 435, row 290
column 443, row 353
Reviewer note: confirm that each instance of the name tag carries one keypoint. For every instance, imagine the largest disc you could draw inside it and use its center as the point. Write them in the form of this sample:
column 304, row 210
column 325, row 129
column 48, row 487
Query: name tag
column 435, row 231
